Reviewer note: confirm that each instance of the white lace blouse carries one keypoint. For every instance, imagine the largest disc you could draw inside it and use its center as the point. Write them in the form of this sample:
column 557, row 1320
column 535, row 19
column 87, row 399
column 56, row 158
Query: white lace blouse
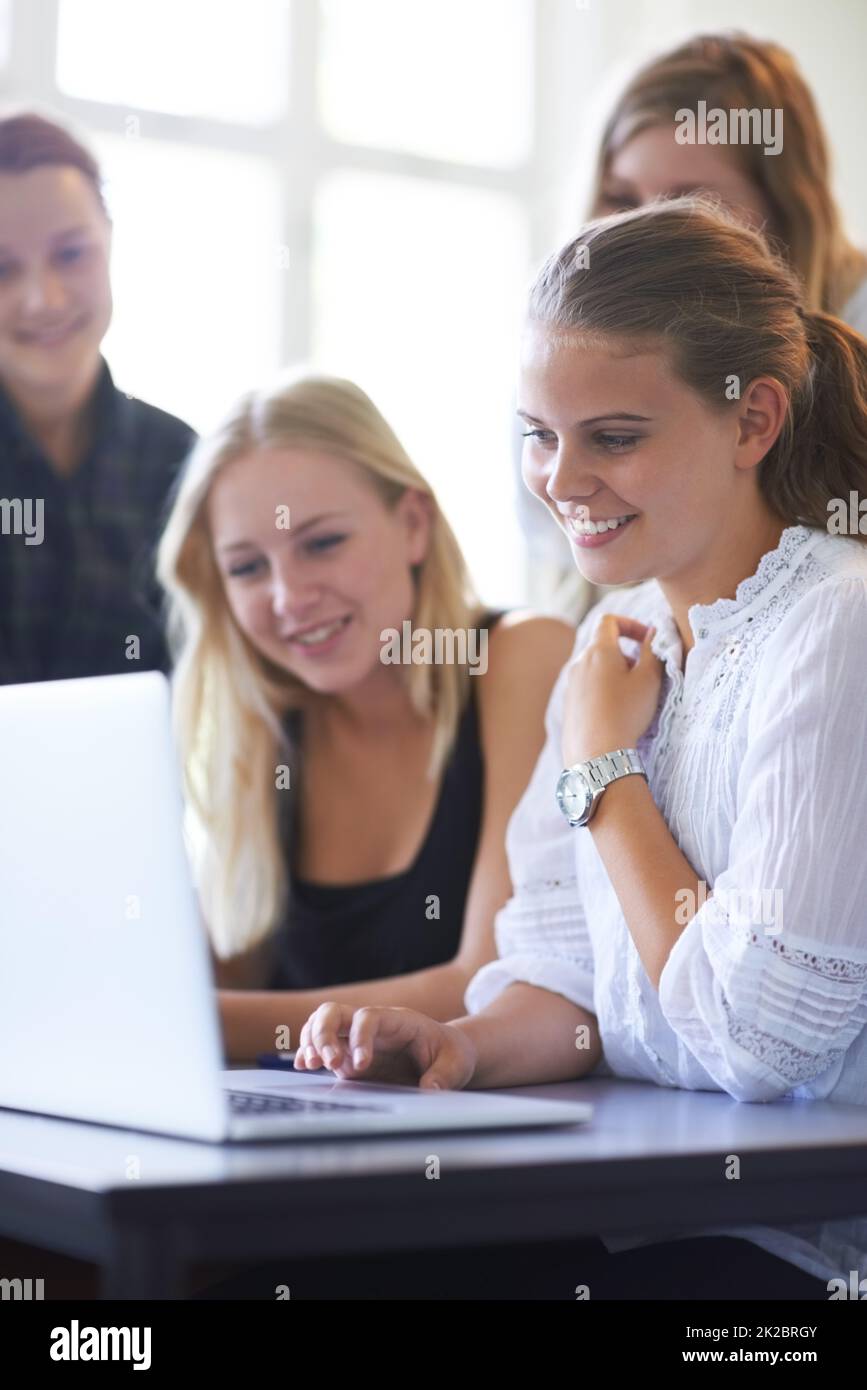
column 757, row 758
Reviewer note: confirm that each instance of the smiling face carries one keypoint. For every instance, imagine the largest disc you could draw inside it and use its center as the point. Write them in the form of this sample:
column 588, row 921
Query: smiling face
column 315, row 597
column 653, row 165
column 55, row 295
column 613, row 436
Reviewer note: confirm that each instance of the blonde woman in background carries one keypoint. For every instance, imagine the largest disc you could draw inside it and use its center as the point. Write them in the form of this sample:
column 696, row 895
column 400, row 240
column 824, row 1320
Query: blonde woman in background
column 348, row 814
column 788, row 196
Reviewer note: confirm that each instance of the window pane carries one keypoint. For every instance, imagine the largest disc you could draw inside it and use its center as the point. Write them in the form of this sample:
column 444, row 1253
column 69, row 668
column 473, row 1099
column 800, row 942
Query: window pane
column 197, row 274
column 418, row 291
column 5, row 30
column 451, row 79
column 212, row 58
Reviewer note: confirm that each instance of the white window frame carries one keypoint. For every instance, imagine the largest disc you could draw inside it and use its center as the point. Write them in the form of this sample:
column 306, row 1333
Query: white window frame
column 300, row 150
column 568, row 41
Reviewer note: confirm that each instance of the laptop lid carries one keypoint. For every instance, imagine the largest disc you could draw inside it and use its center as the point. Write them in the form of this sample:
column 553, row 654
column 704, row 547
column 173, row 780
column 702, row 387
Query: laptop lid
column 107, row 1009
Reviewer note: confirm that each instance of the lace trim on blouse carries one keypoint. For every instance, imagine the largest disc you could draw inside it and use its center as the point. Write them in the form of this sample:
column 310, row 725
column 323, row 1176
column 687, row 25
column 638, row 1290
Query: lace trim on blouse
column 771, row 569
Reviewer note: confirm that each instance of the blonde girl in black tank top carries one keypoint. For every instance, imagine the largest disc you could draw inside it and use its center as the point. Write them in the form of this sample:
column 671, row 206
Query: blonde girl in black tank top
column 374, row 772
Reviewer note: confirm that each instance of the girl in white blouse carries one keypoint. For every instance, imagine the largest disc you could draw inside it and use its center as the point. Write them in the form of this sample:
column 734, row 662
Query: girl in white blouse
column 707, row 927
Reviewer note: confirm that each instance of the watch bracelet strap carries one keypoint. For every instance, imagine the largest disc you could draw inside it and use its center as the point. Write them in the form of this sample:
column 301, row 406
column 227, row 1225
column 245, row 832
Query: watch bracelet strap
column 609, row 767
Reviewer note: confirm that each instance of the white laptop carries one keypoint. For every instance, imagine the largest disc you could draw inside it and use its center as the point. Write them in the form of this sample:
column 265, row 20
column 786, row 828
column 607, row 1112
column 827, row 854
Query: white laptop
column 108, row 1010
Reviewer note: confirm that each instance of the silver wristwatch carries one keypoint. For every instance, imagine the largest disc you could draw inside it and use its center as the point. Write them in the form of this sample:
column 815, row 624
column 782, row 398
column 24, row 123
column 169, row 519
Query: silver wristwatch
column 579, row 788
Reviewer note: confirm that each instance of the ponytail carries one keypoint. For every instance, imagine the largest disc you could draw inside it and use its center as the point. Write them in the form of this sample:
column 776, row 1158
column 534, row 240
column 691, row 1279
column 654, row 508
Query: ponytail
column 821, row 455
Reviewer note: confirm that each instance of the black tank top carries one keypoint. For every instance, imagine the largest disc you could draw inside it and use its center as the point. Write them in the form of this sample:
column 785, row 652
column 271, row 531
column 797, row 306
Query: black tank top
column 338, row 933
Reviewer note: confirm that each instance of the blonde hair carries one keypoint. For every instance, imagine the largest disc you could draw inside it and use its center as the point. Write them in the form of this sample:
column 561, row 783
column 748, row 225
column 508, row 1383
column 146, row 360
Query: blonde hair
column 733, row 70
column 230, row 702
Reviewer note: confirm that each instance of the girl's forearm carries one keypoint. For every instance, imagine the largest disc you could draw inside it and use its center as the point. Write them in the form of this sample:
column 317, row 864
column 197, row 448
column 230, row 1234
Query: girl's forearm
column 646, row 869
column 260, row 1020
column 528, row 1036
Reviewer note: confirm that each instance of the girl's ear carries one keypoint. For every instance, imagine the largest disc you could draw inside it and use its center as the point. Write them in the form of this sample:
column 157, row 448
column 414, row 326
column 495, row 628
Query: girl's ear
column 417, row 513
column 762, row 414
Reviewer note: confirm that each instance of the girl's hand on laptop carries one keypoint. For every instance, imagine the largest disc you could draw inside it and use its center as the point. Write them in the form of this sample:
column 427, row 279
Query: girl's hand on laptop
column 400, row 1046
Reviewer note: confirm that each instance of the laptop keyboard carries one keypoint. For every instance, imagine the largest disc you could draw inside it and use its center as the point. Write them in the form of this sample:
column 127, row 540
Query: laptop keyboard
column 255, row 1103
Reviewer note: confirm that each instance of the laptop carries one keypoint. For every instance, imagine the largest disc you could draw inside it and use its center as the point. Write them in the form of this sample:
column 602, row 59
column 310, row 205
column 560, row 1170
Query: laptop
column 108, row 1010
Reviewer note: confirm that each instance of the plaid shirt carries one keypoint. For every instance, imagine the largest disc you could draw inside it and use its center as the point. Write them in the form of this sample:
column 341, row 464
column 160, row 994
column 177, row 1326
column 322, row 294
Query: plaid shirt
column 69, row 604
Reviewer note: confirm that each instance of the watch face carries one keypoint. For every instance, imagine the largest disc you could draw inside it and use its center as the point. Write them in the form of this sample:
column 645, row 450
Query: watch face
column 573, row 795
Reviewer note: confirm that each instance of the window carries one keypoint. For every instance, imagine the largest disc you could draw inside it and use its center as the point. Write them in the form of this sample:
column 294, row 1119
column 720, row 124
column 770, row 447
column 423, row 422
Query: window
column 439, row 365
column 196, row 273
column 213, row 58
column 5, row 31
column 450, row 80
column 344, row 183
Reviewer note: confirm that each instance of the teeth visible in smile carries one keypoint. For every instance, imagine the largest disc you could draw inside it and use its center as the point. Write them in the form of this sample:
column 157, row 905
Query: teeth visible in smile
column 595, row 528
column 319, row 634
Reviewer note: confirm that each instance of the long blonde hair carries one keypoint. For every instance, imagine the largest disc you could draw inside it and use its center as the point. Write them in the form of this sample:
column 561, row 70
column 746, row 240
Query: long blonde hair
column 229, row 702
column 733, row 70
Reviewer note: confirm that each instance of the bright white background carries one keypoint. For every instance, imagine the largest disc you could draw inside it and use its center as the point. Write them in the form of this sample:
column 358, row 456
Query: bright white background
column 366, row 185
